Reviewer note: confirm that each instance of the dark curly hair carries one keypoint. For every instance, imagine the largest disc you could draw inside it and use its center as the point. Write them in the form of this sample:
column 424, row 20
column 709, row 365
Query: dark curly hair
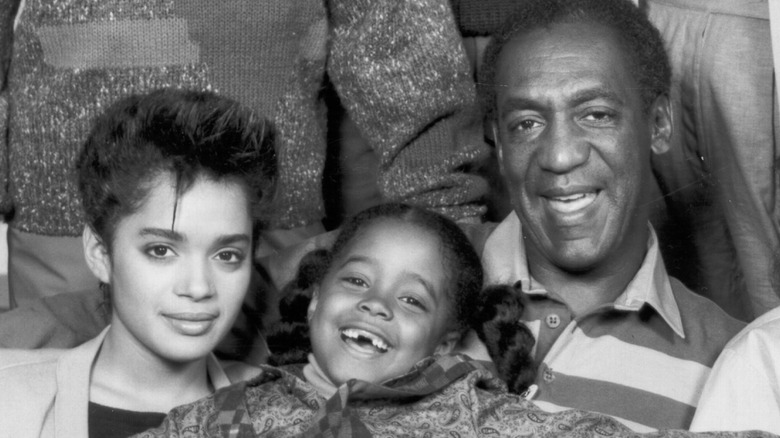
column 641, row 41
column 288, row 340
column 189, row 134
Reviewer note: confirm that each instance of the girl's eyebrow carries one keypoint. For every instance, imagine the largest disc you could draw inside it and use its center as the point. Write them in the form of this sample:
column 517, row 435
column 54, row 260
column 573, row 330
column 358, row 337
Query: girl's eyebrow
column 426, row 285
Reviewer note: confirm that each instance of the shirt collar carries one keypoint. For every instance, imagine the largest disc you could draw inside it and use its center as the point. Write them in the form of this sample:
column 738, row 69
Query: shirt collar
column 505, row 262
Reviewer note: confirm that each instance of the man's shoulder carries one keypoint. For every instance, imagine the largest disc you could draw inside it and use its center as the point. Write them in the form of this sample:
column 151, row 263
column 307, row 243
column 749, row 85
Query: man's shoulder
column 702, row 318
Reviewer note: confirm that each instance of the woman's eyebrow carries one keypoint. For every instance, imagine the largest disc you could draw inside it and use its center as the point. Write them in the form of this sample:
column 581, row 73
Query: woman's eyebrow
column 163, row 233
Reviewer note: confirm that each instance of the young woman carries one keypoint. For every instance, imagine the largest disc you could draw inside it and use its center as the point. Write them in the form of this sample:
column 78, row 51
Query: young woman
column 171, row 184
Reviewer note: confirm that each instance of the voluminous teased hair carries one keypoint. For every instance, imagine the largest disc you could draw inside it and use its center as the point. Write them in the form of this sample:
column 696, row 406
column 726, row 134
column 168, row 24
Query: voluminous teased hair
column 185, row 134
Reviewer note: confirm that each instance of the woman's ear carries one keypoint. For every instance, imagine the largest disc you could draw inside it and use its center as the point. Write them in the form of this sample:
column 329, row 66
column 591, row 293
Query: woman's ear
column 448, row 342
column 96, row 255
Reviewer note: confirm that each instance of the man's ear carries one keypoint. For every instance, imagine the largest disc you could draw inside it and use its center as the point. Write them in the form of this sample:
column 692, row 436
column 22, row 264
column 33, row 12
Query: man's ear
column 662, row 126
column 96, row 255
column 448, row 342
column 499, row 149
column 315, row 298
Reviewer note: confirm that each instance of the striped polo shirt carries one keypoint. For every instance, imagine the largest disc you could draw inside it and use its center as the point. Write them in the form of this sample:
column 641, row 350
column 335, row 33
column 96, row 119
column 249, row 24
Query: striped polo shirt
column 642, row 359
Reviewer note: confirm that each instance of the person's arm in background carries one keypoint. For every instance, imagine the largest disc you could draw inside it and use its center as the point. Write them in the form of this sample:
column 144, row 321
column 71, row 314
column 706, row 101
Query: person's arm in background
column 400, row 70
column 8, row 10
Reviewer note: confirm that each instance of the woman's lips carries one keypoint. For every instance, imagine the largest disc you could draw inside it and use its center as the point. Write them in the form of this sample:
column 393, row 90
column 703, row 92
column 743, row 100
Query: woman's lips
column 191, row 324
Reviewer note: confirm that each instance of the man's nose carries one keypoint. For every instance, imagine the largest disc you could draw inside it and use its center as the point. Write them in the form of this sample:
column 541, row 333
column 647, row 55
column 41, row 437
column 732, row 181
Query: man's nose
column 564, row 148
column 376, row 306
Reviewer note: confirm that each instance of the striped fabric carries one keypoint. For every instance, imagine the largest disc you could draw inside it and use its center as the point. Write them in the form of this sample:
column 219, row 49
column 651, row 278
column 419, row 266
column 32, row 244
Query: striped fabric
column 642, row 359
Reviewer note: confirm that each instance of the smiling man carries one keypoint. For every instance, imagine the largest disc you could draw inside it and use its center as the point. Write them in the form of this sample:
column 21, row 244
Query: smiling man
column 577, row 94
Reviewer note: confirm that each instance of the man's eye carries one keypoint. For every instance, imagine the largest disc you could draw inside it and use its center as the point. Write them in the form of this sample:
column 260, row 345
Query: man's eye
column 600, row 116
column 526, row 125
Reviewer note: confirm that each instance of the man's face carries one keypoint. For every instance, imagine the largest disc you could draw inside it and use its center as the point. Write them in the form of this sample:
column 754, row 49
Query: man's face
column 574, row 145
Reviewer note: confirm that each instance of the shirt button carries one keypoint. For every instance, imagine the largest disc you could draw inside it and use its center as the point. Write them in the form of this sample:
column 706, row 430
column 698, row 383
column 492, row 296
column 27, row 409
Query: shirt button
column 548, row 375
column 553, row 320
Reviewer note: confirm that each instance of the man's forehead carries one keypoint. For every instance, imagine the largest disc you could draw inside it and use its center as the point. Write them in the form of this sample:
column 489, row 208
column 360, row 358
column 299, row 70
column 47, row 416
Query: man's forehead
column 579, row 60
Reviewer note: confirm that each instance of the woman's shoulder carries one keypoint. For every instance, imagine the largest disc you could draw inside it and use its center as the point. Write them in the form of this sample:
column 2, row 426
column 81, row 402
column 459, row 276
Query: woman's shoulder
column 18, row 360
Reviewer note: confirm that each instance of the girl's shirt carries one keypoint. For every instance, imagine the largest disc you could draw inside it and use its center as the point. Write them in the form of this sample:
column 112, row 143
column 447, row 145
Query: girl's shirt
column 451, row 395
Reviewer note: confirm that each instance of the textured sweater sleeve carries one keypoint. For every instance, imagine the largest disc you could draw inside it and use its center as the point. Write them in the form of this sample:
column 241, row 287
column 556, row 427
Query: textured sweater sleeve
column 482, row 17
column 7, row 13
column 401, row 72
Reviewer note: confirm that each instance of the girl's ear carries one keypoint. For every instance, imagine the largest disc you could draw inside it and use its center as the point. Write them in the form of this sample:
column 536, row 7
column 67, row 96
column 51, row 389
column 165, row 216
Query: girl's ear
column 448, row 342
column 315, row 296
column 96, row 255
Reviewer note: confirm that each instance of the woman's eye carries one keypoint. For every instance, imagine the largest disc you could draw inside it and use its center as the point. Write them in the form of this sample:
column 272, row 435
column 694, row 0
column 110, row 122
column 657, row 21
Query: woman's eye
column 230, row 256
column 159, row 251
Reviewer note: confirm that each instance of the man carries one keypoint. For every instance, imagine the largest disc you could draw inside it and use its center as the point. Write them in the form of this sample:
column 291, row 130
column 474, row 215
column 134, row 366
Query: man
column 577, row 94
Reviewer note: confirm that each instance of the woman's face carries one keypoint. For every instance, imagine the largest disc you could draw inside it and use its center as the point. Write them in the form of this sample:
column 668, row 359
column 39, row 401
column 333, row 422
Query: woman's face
column 383, row 305
column 178, row 278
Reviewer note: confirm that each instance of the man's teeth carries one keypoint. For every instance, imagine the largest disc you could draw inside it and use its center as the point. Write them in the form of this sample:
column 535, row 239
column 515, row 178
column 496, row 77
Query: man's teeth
column 363, row 337
column 571, row 203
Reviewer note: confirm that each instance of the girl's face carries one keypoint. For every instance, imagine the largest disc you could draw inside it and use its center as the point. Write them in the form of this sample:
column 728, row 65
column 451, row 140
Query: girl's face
column 382, row 306
column 176, row 291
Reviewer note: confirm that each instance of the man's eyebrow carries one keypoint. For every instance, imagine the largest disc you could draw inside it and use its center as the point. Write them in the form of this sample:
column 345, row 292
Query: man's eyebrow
column 589, row 94
column 516, row 102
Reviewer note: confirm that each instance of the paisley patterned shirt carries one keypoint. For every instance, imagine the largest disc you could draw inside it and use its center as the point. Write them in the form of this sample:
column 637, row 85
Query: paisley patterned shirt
column 452, row 396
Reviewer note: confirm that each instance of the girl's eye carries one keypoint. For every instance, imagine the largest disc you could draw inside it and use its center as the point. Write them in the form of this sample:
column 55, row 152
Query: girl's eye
column 232, row 257
column 159, row 251
column 355, row 281
column 414, row 302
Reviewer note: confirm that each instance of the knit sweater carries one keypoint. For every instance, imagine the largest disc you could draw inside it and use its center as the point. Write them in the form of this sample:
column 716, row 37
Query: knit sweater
column 398, row 66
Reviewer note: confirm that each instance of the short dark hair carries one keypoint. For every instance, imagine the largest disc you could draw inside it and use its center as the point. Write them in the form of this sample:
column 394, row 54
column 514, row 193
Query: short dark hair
column 642, row 42
column 188, row 134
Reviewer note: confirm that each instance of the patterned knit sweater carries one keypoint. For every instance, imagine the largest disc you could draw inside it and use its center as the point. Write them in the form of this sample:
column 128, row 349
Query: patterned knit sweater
column 398, row 67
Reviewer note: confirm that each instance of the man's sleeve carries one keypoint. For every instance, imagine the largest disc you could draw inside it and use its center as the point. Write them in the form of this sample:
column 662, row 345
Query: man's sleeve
column 60, row 321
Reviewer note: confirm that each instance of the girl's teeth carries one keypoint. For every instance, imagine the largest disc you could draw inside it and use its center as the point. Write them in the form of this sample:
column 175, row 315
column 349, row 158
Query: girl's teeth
column 358, row 335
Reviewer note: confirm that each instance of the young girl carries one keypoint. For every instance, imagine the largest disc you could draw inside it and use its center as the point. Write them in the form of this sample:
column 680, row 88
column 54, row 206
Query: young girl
column 171, row 183
column 390, row 301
